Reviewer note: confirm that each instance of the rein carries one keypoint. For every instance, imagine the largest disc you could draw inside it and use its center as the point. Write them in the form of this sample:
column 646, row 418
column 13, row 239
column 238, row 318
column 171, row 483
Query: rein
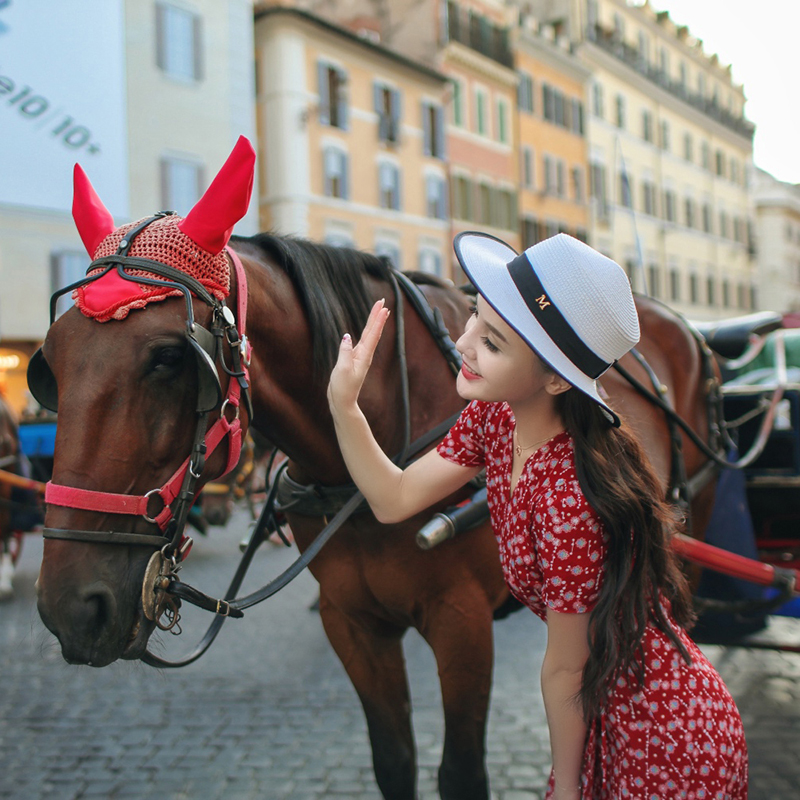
column 164, row 581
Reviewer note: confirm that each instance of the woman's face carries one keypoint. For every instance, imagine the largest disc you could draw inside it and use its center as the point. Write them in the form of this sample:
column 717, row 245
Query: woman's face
column 498, row 365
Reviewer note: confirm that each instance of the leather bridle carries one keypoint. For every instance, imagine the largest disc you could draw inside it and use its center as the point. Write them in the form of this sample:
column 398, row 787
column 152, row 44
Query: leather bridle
column 178, row 493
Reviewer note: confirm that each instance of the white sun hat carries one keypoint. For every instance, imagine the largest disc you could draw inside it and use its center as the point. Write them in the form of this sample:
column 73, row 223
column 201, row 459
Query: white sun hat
column 571, row 304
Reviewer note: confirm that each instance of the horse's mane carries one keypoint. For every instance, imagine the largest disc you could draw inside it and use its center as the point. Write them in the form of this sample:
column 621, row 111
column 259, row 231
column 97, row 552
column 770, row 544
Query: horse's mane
column 331, row 286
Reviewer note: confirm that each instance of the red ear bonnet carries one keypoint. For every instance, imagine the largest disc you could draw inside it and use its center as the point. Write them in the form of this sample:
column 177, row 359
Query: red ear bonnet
column 92, row 218
column 210, row 223
column 193, row 245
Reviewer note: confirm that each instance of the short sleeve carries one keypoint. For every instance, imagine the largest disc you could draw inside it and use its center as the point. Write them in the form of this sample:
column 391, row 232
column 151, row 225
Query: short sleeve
column 465, row 444
column 571, row 549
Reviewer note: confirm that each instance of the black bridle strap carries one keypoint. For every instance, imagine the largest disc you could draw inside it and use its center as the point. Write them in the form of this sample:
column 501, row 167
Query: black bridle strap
column 106, row 537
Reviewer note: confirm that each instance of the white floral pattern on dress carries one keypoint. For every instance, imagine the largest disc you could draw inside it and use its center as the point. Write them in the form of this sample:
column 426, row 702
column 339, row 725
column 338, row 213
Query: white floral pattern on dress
column 679, row 736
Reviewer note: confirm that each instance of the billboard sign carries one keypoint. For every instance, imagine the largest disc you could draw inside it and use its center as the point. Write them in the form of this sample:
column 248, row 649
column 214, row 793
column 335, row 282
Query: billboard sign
column 62, row 100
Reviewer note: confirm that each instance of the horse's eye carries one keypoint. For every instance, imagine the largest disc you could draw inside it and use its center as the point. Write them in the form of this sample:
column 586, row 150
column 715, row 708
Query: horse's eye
column 167, row 358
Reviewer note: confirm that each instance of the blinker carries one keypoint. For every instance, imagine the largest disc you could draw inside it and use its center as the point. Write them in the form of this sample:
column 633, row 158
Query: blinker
column 42, row 382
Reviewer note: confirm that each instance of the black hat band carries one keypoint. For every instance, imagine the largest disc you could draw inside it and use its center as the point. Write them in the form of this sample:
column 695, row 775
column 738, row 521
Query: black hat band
column 552, row 320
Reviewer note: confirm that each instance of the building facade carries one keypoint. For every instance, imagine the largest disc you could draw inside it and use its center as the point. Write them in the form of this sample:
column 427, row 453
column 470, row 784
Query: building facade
column 171, row 90
column 351, row 139
column 669, row 150
column 777, row 210
column 553, row 150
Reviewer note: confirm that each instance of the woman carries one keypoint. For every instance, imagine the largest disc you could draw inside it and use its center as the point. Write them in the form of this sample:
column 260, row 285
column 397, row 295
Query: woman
column 634, row 708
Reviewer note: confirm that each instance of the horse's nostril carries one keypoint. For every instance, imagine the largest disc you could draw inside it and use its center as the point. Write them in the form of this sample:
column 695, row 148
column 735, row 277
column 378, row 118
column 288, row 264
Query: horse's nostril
column 96, row 608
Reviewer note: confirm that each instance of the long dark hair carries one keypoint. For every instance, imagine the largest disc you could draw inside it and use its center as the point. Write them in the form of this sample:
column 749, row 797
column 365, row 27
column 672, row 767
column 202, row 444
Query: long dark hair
column 641, row 569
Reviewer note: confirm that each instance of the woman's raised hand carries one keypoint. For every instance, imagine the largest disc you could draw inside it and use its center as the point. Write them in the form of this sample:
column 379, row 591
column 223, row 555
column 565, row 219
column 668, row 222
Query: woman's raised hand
column 353, row 363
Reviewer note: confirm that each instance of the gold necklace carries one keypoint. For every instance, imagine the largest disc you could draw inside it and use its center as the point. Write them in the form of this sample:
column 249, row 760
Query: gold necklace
column 519, row 449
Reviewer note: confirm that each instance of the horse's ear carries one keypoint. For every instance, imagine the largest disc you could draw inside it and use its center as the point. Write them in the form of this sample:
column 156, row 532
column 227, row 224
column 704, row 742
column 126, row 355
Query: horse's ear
column 210, row 223
column 92, row 218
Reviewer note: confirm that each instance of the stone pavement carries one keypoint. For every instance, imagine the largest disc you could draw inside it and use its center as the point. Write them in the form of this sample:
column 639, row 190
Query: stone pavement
column 269, row 714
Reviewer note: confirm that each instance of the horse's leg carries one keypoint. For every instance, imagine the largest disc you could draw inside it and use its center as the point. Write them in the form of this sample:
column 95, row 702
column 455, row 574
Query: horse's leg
column 376, row 667
column 460, row 634
column 6, row 570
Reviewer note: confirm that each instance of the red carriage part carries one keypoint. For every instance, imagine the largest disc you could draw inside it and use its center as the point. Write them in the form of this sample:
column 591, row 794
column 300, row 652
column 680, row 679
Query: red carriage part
column 720, row 560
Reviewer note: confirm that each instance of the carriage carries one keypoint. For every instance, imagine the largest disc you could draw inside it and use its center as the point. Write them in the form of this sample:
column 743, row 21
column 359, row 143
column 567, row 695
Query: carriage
column 184, row 337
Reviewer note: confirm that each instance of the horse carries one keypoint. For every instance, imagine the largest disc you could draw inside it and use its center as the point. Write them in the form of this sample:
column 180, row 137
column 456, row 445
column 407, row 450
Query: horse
column 9, row 543
column 127, row 392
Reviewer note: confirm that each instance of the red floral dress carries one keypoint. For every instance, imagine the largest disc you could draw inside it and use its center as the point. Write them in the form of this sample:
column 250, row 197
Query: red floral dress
column 679, row 735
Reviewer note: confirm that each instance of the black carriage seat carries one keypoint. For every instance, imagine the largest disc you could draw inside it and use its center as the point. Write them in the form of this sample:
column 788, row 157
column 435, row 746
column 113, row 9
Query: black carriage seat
column 729, row 338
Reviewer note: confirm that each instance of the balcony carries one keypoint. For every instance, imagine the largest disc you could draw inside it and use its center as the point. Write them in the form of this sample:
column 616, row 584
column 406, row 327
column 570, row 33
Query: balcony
column 608, row 41
column 479, row 34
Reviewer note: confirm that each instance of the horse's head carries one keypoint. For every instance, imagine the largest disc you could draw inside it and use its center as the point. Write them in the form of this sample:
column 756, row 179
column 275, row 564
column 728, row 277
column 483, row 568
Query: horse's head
column 140, row 408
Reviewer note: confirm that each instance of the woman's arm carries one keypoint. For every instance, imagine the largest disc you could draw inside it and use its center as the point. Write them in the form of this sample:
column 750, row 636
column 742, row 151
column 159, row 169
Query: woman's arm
column 392, row 493
column 562, row 671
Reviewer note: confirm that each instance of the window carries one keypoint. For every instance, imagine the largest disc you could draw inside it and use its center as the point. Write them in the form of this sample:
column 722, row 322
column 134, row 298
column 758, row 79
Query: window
column 694, row 289
column 432, row 130
column 726, row 294
column 480, row 112
column 180, row 184
column 389, row 185
column 502, row 121
column 620, row 107
column 597, row 186
column 548, row 103
column 577, row 184
column 711, row 290
column 737, row 229
column 561, row 183
column 387, row 107
column 525, row 93
column 597, row 100
column 485, row 204
column 649, row 197
column 688, row 147
column 644, row 50
column 663, row 62
column 66, row 267
column 625, row 193
column 647, row 126
column 430, row 260
column 578, row 125
column 527, row 167
column 179, row 50
column 664, row 135
column 436, row 197
column 505, row 210
column 462, row 197
column 532, row 232
column 707, row 218
column 458, row 105
column 682, row 76
column 654, row 280
column 332, row 96
column 688, row 205
column 723, row 224
column 705, row 155
column 735, row 171
column 549, row 175
column 741, row 296
column 674, row 284
column 669, row 205
column 390, row 250
column 335, row 169
column 719, row 163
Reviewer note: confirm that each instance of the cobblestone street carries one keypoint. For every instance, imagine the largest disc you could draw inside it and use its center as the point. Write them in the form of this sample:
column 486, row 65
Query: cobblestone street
column 268, row 713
